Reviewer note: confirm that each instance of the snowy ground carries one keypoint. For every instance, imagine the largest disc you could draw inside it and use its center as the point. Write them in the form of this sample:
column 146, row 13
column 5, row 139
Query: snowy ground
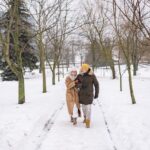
column 42, row 123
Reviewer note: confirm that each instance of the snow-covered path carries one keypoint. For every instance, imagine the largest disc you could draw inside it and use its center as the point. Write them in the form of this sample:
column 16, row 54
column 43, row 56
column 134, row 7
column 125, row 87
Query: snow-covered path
column 65, row 136
column 40, row 131
column 42, row 123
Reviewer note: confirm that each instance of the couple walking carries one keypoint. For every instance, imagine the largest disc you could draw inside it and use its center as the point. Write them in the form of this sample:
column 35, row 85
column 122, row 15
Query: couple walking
column 80, row 91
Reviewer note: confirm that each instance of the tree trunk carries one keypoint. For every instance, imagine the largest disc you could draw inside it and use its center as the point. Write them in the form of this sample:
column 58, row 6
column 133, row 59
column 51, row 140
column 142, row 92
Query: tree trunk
column 53, row 76
column 40, row 68
column 135, row 53
column 135, row 68
column 21, row 89
column 113, row 71
column 67, row 67
column 111, row 64
column 58, row 72
column 108, row 56
column 135, row 61
column 63, row 71
column 20, row 75
column 93, row 56
column 131, row 85
column 18, row 50
column 44, row 77
column 120, row 76
column 42, row 59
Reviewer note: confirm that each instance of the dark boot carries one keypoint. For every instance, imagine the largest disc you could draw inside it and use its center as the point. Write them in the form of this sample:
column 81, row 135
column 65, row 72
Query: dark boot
column 71, row 119
column 74, row 121
column 79, row 113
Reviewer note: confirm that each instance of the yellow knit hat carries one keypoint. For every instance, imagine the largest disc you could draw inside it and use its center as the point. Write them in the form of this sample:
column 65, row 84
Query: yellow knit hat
column 85, row 67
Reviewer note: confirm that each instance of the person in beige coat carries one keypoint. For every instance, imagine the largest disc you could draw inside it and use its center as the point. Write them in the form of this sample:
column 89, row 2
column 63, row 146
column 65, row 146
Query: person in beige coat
column 72, row 98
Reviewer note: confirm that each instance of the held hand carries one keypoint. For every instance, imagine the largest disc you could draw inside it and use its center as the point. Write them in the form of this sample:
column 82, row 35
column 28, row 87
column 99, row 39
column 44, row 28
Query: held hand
column 76, row 81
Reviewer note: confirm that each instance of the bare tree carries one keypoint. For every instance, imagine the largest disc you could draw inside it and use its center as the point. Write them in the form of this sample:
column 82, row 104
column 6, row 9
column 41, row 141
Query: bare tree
column 56, row 37
column 137, row 15
column 140, row 11
column 95, row 31
column 16, row 67
column 43, row 12
column 124, row 38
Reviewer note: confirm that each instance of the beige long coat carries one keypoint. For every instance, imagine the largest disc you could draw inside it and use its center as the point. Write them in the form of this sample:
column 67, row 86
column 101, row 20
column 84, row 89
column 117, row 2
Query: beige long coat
column 71, row 95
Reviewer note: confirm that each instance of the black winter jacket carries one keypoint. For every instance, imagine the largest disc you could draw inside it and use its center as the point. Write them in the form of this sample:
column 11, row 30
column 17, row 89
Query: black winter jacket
column 86, row 82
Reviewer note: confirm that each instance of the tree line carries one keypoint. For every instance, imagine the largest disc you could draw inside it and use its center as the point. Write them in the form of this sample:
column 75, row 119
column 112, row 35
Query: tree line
column 102, row 33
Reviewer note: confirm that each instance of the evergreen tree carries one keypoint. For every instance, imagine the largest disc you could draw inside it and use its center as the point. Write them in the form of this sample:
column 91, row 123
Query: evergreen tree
column 26, row 41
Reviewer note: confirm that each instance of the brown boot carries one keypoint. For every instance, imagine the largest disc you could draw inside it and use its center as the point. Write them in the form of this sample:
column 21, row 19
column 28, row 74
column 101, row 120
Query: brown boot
column 87, row 123
column 84, row 121
column 74, row 121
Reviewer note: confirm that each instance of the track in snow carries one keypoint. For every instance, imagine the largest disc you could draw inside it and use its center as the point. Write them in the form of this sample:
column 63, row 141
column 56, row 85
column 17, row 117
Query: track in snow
column 107, row 126
column 65, row 136
column 42, row 127
column 47, row 127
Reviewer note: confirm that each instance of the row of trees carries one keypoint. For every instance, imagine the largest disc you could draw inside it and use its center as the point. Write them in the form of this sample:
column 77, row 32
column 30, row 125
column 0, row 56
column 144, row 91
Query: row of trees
column 39, row 32
column 106, row 33
column 132, row 33
column 117, row 32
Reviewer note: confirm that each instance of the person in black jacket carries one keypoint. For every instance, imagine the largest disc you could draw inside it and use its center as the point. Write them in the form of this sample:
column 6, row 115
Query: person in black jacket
column 86, row 81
